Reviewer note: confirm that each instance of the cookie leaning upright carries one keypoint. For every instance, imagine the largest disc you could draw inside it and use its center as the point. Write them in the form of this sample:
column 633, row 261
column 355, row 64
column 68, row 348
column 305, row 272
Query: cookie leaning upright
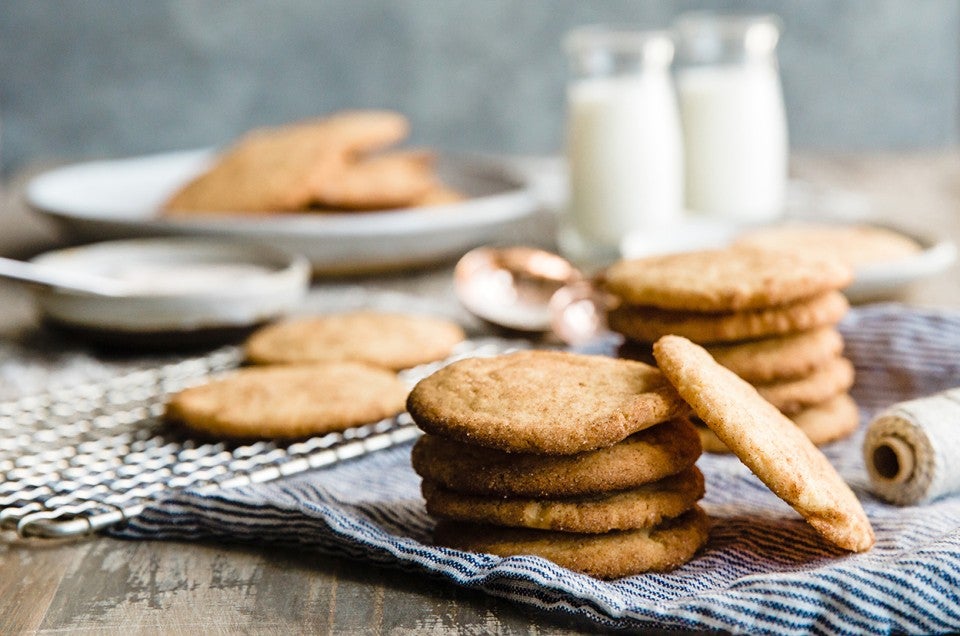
column 772, row 446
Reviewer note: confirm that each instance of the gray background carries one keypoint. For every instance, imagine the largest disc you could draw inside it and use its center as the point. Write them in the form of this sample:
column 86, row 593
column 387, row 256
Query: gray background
column 120, row 77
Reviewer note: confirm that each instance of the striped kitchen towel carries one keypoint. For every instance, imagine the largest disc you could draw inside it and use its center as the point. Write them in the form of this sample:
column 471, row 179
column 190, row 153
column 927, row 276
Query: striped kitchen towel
column 763, row 571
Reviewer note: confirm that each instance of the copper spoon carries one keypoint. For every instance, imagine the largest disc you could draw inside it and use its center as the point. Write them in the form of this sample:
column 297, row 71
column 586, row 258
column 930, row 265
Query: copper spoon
column 530, row 291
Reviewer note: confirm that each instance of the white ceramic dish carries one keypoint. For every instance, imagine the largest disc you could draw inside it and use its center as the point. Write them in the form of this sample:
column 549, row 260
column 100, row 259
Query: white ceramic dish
column 121, row 199
column 177, row 287
column 870, row 282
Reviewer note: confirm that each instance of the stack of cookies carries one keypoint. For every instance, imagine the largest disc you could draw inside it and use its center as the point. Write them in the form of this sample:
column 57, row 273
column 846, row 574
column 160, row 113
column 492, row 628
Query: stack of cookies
column 768, row 316
column 586, row 461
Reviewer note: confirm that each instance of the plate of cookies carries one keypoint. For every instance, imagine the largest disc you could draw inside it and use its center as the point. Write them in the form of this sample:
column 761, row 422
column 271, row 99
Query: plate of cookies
column 335, row 189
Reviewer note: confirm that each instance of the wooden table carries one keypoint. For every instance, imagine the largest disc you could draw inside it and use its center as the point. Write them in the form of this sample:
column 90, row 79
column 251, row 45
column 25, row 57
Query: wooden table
column 104, row 586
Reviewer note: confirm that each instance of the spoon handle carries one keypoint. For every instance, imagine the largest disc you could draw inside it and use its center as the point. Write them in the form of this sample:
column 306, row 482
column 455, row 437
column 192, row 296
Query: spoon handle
column 50, row 277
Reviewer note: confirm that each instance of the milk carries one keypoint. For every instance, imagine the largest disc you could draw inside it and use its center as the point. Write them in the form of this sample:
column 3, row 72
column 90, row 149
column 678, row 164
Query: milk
column 735, row 140
column 625, row 154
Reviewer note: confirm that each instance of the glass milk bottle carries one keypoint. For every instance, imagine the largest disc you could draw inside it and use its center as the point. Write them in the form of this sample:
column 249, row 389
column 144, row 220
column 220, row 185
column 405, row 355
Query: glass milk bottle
column 734, row 121
column 624, row 145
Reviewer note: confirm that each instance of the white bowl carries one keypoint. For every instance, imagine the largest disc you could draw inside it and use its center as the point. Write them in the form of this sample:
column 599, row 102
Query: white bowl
column 179, row 289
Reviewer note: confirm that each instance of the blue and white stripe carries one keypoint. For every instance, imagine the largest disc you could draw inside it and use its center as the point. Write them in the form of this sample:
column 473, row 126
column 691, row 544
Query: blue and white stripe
column 763, row 571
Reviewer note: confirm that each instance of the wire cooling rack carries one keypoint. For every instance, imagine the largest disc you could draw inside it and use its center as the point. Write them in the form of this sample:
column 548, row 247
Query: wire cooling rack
column 80, row 460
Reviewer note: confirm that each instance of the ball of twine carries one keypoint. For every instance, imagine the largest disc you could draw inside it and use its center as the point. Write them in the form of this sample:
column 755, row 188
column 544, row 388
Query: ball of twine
column 912, row 450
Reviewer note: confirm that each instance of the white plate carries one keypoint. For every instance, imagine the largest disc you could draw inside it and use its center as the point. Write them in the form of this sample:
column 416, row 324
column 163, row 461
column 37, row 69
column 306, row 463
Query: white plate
column 870, row 282
column 121, row 199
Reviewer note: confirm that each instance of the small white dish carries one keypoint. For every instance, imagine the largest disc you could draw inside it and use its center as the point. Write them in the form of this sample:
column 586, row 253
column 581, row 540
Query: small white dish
column 175, row 290
column 122, row 198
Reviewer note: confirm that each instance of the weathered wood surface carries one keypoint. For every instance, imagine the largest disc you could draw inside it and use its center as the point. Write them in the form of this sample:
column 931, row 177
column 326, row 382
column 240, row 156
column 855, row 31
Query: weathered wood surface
column 105, row 586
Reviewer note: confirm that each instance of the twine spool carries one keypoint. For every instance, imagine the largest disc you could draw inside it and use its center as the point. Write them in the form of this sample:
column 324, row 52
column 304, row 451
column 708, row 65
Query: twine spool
column 912, row 450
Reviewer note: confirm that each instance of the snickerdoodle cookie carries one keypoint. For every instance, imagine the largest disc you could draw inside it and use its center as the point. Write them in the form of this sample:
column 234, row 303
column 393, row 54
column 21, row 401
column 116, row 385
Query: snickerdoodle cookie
column 772, row 446
column 639, row 507
column 728, row 280
column 289, row 401
column 390, row 340
column 609, row 555
column 647, row 324
column 546, row 402
column 652, row 454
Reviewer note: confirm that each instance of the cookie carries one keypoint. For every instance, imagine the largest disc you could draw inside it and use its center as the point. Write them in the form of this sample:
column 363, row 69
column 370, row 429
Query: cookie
column 548, row 402
column 609, row 555
column 829, row 421
column 280, row 169
column 723, row 281
column 857, row 245
column 650, row 455
column 772, row 446
column 289, row 401
column 439, row 195
column 762, row 361
column 361, row 132
column 648, row 324
column 823, row 423
column 792, row 396
column 640, row 507
column 780, row 358
column 390, row 180
column 393, row 341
